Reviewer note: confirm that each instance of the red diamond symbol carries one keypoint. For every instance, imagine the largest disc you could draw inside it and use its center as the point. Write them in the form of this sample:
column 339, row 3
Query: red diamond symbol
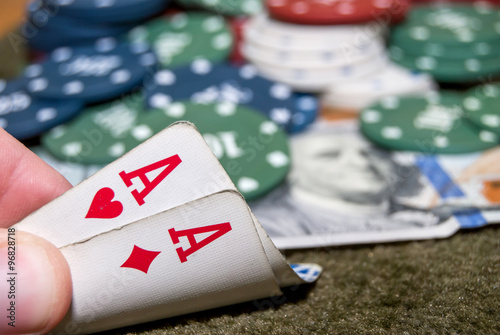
column 140, row 259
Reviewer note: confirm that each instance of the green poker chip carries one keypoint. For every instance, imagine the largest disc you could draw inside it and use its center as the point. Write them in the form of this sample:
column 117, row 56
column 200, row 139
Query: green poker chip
column 444, row 51
column 482, row 107
column 433, row 124
column 226, row 7
column 453, row 42
column 97, row 135
column 450, row 24
column 252, row 149
column 448, row 70
column 181, row 38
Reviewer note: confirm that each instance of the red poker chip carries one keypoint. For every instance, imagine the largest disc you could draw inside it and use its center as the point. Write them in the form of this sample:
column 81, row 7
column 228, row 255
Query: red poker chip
column 323, row 12
column 398, row 11
column 493, row 2
column 237, row 25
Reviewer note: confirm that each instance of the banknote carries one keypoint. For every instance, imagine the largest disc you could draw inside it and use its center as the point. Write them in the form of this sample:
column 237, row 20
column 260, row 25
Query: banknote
column 344, row 190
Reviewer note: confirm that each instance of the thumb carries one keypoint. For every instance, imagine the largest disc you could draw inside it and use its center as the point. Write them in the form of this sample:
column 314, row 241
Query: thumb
column 35, row 284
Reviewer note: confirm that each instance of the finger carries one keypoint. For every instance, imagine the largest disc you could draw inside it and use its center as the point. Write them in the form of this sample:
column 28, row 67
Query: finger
column 26, row 182
column 39, row 294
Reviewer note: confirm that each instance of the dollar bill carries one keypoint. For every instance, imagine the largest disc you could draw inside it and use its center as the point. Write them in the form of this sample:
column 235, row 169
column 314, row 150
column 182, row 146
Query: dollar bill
column 344, row 190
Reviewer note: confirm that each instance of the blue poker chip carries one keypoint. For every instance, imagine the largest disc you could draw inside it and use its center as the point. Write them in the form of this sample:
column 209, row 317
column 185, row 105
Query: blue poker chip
column 204, row 82
column 43, row 40
column 305, row 112
column 94, row 73
column 24, row 116
column 111, row 11
column 45, row 23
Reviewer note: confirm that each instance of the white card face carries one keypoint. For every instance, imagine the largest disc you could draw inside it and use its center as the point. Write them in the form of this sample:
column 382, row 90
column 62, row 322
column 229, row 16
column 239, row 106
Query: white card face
column 137, row 273
column 284, row 274
column 172, row 168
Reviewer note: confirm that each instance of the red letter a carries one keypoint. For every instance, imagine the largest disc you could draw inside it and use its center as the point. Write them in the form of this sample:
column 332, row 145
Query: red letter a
column 149, row 185
column 218, row 229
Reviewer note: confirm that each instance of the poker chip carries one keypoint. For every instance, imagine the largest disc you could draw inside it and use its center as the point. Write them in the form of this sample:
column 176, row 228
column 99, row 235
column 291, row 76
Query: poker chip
column 69, row 32
column 327, row 58
column 305, row 113
column 97, row 135
column 481, row 105
column 449, row 70
column 316, row 79
column 110, row 11
column 204, row 82
column 252, row 149
column 74, row 173
column 309, row 58
column 226, row 7
column 43, row 39
column 472, row 23
column 452, row 42
column 449, row 51
column 432, row 124
column 262, row 29
column 389, row 81
column 24, row 116
column 181, row 38
column 237, row 25
column 494, row 2
column 44, row 22
column 337, row 12
column 90, row 73
column 41, row 15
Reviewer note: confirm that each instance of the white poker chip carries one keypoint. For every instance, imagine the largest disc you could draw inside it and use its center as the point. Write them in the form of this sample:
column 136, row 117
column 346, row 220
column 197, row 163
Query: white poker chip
column 308, row 79
column 314, row 59
column 389, row 81
column 393, row 79
column 311, row 57
column 261, row 29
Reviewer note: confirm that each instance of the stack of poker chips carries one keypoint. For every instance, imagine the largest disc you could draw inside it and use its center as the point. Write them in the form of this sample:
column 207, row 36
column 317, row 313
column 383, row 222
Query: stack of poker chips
column 86, row 61
column 52, row 24
column 335, row 48
column 309, row 58
column 314, row 45
column 455, row 43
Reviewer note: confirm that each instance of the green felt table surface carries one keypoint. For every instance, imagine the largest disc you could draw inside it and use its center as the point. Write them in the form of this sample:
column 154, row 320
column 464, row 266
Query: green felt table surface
column 446, row 286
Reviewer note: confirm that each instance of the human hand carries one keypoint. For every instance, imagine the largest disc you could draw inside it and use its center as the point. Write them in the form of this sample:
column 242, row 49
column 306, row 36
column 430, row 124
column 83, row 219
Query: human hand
column 42, row 292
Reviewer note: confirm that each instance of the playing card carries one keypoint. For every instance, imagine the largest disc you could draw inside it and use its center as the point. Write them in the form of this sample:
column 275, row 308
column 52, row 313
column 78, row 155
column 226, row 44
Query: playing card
column 284, row 274
column 169, row 170
column 196, row 256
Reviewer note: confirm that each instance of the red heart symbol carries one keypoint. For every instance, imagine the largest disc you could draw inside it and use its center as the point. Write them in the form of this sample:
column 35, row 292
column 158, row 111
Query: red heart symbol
column 103, row 207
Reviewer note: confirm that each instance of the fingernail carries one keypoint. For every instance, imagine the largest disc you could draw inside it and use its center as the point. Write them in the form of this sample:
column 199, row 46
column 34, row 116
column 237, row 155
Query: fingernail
column 27, row 287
